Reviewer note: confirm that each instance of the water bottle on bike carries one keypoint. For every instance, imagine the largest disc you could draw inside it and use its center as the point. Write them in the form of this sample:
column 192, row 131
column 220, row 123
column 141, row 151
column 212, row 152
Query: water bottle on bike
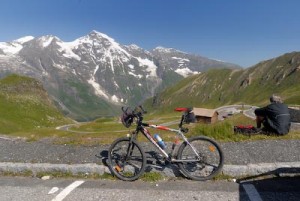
column 159, row 141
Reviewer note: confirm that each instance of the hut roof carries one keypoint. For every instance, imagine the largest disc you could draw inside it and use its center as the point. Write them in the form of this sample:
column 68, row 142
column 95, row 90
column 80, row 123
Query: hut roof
column 204, row 112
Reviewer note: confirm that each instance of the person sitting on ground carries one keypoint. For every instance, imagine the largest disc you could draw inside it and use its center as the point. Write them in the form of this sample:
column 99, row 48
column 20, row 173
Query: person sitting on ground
column 275, row 117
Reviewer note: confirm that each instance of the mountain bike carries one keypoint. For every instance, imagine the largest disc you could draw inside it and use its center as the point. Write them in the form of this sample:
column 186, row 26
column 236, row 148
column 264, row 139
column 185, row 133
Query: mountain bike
column 199, row 158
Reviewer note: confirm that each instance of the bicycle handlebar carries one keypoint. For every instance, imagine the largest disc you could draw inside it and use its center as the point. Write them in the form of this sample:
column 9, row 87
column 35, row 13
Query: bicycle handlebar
column 139, row 111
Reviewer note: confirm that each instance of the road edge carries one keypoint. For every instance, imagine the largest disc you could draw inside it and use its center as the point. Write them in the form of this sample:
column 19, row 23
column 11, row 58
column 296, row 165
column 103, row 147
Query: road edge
column 235, row 171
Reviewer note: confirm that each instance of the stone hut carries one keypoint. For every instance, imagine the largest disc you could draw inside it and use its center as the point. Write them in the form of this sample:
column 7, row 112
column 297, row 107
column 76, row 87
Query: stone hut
column 204, row 115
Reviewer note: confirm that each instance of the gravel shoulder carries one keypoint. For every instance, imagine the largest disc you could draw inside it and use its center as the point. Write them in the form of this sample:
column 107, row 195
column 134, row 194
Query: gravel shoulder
column 236, row 153
column 241, row 158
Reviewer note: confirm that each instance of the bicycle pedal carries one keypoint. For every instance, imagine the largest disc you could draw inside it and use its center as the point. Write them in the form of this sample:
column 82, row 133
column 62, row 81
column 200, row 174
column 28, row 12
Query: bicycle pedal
column 157, row 166
column 162, row 162
column 159, row 156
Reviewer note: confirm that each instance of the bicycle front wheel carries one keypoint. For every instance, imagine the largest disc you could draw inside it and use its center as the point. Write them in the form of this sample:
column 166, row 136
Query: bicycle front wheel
column 126, row 159
column 204, row 165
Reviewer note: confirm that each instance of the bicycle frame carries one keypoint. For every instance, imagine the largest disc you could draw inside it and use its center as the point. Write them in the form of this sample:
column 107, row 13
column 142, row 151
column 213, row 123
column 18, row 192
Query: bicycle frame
column 130, row 164
column 146, row 133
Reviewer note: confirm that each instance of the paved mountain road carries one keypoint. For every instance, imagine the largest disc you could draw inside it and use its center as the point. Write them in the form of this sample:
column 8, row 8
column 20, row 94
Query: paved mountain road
column 31, row 189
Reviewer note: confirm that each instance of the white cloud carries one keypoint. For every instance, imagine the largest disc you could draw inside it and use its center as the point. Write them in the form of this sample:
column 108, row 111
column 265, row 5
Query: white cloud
column 185, row 72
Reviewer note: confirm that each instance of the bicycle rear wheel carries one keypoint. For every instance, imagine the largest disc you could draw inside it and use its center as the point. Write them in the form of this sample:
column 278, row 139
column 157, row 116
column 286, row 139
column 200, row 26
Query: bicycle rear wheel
column 207, row 165
column 126, row 160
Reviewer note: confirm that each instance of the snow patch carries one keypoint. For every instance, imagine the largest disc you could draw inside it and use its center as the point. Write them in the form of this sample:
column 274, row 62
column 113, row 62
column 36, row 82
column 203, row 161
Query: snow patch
column 116, row 84
column 138, row 76
column 97, row 88
column 15, row 46
column 59, row 66
column 131, row 66
column 24, row 39
column 134, row 47
column 96, row 69
column 66, row 48
column 74, row 71
column 10, row 48
column 46, row 41
column 181, row 60
column 167, row 50
column 115, row 99
column 151, row 67
column 163, row 49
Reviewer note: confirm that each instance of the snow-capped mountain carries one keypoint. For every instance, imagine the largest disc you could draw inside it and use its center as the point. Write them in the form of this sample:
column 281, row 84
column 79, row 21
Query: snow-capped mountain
column 90, row 75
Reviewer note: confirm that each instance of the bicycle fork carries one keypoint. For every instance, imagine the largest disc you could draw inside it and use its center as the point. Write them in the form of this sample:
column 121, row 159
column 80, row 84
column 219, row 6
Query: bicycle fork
column 119, row 167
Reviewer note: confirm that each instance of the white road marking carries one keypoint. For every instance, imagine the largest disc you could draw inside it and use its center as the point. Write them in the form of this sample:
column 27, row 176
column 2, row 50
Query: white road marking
column 252, row 192
column 67, row 190
column 53, row 190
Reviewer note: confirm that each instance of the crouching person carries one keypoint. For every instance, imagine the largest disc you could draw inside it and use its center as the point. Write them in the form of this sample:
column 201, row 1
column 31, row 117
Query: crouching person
column 275, row 117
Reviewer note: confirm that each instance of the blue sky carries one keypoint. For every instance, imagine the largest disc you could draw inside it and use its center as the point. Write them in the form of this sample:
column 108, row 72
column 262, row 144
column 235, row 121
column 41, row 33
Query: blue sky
column 244, row 32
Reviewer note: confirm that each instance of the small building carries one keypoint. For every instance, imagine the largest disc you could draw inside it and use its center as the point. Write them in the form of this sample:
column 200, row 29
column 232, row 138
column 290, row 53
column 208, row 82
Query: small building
column 207, row 116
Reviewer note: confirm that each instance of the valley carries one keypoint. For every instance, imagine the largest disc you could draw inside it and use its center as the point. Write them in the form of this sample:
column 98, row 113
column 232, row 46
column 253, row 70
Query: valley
column 47, row 83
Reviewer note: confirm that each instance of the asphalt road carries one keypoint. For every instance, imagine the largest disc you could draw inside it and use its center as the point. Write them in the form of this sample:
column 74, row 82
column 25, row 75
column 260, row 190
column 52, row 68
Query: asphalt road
column 31, row 189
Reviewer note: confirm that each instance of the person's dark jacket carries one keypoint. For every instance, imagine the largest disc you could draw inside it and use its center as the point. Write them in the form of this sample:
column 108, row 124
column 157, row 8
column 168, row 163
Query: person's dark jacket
column 277, row 117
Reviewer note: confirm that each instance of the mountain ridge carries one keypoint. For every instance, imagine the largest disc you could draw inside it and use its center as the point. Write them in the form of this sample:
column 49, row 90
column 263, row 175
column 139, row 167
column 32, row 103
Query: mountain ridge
column 93, row 74
column 254, row 85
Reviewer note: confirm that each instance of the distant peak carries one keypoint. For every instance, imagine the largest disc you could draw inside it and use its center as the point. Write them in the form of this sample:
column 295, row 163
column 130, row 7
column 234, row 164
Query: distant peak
column 24, row 39
column 47, row 40
column 134, row 46
column 159, row 48
column 99, row 34
column 49, row 37
column 94, row 32
column 165, row 50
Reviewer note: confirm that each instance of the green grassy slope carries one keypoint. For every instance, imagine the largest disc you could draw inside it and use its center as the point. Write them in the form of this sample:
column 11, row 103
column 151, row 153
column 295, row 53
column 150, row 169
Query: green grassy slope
column 225, row 86
column 25, row 105
column 78, row 97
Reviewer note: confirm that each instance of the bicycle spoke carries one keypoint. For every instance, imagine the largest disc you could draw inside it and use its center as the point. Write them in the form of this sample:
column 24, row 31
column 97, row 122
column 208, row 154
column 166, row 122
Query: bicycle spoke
column 205, row 167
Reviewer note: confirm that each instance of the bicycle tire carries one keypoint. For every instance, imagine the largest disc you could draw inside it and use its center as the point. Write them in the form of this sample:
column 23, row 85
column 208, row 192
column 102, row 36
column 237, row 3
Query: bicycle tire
column 124, row 168
column 211, row 158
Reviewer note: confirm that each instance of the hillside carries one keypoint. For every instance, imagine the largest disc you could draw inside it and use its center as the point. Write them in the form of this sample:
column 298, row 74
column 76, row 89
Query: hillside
column 219, row 87
column 25, row 105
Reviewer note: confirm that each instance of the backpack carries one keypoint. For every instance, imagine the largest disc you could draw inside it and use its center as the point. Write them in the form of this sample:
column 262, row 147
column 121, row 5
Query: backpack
column 245, row 129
